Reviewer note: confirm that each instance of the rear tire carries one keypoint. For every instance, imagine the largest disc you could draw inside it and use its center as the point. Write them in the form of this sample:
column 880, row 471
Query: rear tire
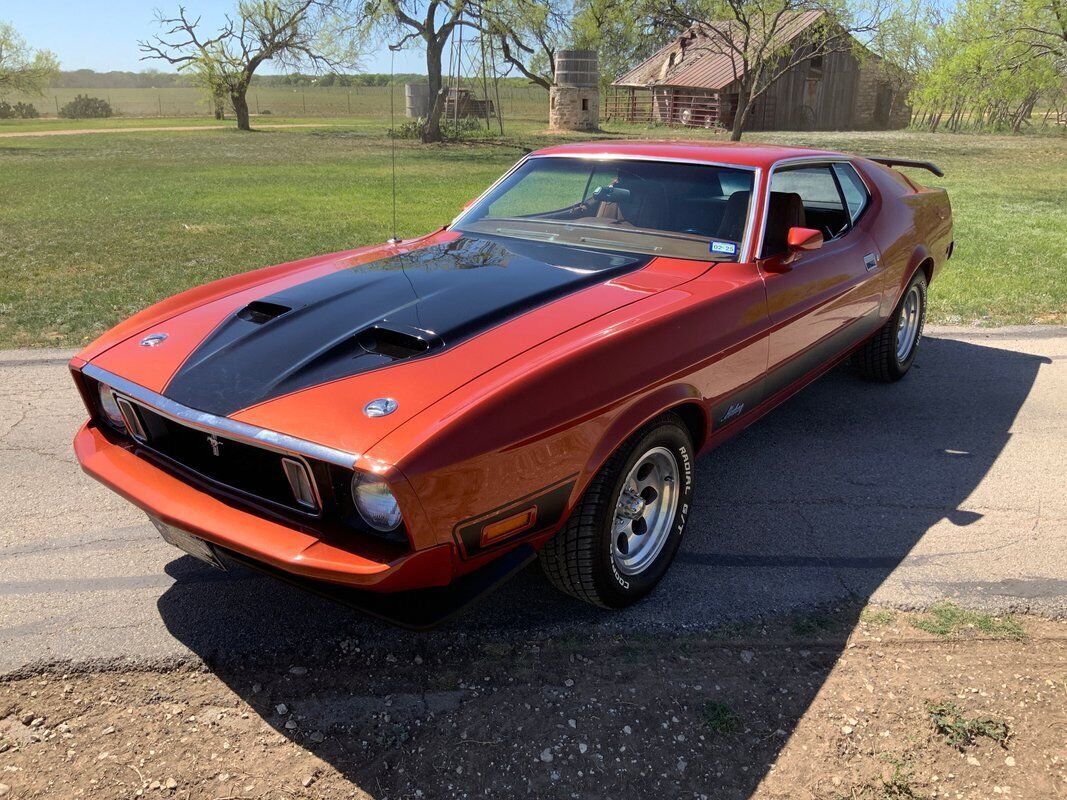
column 888, row 355
column 622, row 536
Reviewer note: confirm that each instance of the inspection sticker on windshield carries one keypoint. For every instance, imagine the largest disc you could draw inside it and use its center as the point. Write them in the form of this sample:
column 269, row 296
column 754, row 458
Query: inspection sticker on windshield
column 728, row 248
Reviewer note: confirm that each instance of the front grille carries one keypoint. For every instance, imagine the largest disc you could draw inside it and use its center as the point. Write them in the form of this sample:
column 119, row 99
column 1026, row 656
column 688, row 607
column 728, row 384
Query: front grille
column 249, row 470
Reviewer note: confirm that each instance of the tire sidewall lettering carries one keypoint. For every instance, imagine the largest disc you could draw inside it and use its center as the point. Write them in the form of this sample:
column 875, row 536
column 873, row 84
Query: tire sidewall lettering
column 685, row 461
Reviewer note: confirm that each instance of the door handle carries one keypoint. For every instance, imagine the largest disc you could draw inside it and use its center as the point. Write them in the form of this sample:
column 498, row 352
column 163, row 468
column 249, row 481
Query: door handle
column 870, row 261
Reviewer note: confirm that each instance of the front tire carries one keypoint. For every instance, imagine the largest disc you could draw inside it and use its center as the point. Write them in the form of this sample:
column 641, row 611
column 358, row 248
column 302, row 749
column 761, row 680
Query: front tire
column 888, row 355
column 622, row 536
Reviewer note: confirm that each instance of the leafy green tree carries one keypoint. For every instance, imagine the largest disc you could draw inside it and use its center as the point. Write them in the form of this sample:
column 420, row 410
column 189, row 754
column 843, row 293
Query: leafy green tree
column 623, row 34
column 23, row 70
column 991, row 61
column 530, row 32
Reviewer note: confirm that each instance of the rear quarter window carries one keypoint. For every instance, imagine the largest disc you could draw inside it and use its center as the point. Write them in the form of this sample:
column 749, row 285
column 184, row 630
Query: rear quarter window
column 853, row 188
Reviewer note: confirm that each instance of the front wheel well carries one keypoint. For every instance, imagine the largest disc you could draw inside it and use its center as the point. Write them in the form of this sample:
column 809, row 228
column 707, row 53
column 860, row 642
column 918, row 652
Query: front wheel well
column 695, row 420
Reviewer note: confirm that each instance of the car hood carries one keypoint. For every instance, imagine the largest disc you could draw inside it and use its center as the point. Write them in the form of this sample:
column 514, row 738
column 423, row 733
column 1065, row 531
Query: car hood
column 303, row 353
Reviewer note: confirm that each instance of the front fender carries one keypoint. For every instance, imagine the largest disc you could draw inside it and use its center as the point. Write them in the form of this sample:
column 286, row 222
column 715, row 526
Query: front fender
column 638, row 414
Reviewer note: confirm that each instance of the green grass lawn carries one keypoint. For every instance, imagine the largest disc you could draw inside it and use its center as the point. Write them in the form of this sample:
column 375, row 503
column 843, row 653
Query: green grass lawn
column 93, row 228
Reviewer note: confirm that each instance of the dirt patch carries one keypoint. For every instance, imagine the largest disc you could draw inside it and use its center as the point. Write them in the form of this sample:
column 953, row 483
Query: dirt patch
column 813, row 707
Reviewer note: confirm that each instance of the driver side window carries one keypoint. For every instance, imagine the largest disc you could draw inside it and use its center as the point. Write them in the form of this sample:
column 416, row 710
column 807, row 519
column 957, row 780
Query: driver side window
column 813, row 187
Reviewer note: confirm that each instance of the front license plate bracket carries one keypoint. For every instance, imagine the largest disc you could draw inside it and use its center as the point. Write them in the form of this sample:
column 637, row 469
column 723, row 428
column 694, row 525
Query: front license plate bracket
column 187, row 542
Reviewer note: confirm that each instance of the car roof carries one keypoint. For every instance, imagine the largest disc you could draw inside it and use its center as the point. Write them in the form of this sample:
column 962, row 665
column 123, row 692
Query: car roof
column 745, row 155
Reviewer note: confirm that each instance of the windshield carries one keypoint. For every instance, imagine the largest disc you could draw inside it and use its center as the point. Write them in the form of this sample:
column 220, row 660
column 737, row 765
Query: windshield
column 692, row 211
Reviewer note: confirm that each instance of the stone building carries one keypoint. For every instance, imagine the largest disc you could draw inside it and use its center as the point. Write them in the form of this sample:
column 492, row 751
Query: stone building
column 574, row 98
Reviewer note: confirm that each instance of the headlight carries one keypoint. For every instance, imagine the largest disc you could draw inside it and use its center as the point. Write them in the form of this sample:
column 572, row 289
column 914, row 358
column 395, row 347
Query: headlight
column 109, row 406
column 375, row 502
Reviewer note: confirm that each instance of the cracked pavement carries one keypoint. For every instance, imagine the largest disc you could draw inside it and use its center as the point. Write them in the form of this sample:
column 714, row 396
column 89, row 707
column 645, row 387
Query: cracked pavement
column 948, row 484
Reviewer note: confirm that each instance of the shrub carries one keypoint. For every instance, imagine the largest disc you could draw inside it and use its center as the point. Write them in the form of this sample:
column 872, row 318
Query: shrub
column 26, row 111
column 17, row 111
column 407, row 130
column 85, row 107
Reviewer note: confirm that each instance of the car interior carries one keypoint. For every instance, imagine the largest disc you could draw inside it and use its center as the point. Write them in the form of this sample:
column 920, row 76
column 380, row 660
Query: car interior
column 696, row 206
column 804, row 197
column 708, row 203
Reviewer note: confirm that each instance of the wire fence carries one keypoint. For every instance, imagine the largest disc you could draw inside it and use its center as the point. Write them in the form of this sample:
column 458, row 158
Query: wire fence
column 520, row 103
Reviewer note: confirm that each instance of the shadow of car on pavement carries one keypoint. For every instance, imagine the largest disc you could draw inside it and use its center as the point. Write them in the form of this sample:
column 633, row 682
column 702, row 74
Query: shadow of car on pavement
column 814, row 506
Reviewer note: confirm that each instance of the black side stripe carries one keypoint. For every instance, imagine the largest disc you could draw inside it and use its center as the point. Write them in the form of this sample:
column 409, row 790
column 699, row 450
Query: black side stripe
column 739, row 404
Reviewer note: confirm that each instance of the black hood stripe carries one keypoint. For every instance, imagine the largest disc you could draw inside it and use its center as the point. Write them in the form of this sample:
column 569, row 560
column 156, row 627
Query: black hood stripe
column 375, row 314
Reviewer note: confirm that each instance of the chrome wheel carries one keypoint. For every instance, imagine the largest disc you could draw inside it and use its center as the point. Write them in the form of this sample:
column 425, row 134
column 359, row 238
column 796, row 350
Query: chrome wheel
column 908, row 324
column 644, row 511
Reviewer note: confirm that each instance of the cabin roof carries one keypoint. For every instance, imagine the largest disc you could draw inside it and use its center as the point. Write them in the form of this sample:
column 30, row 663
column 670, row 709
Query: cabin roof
column 701, row 59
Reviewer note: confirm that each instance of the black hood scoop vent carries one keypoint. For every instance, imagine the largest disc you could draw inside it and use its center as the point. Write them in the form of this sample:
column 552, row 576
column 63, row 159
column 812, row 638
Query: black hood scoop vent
column 397, row 344
column 260, row 311
column 405, row 306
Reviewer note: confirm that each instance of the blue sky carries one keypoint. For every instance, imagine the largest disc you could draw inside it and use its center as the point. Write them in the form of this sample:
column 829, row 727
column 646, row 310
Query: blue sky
column 104, row 35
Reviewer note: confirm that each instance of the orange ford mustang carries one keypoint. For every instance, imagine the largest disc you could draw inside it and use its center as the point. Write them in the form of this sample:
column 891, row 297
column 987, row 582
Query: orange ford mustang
column 403, row 426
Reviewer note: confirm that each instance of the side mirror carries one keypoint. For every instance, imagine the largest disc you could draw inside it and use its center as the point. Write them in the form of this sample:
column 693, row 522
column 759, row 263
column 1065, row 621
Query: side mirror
column 469, row 203
column 800, row 239
column 797, row 241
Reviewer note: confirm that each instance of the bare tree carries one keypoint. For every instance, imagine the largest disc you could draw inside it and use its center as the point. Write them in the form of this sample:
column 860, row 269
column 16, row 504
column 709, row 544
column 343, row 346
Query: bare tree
column 293, row 31
column 765, row 39
column 23, row 70
column 432, row 23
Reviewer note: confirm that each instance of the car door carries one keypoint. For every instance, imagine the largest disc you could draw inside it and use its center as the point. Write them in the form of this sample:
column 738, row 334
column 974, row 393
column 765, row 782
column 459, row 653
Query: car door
column 819, row 301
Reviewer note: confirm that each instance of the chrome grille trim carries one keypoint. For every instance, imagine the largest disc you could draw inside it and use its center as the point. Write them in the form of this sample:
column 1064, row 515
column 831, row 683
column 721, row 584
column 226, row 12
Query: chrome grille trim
column 211, row 423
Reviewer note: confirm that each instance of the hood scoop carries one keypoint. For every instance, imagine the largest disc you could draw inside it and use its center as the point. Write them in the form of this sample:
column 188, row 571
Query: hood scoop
column 261, row 312
column 397, row 341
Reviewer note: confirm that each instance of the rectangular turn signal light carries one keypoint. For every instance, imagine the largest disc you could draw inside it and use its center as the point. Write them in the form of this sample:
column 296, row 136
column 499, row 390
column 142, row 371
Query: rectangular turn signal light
column 509, row 526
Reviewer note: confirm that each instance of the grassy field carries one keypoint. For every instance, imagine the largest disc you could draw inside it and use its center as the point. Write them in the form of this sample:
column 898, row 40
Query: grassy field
column 96, row 227
column 525, row 102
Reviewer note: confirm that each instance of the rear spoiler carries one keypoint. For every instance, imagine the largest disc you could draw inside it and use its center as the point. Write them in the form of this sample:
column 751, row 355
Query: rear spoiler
column 907, row 162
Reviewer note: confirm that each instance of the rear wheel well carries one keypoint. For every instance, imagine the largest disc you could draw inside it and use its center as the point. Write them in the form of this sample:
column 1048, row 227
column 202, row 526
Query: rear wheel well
column 695, row 421
column 927, row 266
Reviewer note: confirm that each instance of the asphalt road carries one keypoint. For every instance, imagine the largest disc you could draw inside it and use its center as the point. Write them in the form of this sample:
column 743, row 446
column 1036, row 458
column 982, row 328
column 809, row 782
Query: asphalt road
column 949, row 484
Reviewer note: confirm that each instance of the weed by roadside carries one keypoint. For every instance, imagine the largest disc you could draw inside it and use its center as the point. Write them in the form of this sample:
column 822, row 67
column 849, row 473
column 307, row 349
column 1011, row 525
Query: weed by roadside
column 811, row 624
column 877, row 617
column 894, row 784
column 947, row 620
column 720, row 718
column 961, row 731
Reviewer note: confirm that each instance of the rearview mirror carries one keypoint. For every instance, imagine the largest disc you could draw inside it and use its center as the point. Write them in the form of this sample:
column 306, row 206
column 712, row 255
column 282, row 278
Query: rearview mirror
column 803, row 239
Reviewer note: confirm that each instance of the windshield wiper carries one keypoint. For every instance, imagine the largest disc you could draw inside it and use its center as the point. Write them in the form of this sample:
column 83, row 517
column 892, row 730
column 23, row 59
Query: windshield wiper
column 523, row 233
column 619, row 245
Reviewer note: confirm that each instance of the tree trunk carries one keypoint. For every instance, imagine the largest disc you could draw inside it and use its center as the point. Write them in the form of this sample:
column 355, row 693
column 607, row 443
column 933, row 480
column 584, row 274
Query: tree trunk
column 218, row 99
column 431, row 129
column 744, row 103
column 239, row 99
